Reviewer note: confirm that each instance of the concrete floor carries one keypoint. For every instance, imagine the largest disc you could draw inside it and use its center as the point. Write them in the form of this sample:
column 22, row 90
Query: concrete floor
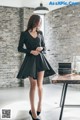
column 17, row 99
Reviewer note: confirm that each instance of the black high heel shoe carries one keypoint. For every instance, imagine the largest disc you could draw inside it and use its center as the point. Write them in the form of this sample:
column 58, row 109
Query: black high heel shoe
column 32, row 116
column 38, row 113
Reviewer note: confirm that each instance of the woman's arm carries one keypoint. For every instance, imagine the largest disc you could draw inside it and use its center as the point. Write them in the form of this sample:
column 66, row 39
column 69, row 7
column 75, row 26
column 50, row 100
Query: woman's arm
column 42, row 43
column 21, row 44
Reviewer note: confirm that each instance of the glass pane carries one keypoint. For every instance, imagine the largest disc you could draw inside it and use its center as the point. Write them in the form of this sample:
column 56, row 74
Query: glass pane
column 42, row 27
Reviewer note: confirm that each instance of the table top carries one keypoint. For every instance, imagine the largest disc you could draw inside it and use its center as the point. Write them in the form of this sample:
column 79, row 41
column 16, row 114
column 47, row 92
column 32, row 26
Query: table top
column 69, row 78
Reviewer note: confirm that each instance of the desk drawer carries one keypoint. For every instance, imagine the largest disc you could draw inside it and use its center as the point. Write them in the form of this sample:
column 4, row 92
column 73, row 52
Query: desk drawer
column 63, row 71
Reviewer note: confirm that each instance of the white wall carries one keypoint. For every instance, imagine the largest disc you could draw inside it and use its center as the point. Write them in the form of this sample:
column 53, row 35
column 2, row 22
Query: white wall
column 15, row 3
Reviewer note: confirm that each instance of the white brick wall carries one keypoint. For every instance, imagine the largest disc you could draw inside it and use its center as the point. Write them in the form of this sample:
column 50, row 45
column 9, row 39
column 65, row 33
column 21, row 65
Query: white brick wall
column 62, row 34
column 11, row 23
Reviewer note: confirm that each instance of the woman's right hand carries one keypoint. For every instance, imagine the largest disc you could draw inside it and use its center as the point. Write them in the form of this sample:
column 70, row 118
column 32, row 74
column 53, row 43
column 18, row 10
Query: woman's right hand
column 34, row 52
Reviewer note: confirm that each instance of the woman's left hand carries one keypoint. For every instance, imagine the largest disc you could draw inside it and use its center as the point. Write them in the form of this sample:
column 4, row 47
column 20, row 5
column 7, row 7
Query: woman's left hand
column 39, row 49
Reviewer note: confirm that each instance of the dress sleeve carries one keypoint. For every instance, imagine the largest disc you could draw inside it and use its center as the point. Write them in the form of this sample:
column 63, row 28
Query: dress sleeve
column 21, row 44
column 43, row 42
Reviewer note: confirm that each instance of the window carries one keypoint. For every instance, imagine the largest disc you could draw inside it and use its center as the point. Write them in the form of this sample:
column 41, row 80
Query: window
column 42, row 27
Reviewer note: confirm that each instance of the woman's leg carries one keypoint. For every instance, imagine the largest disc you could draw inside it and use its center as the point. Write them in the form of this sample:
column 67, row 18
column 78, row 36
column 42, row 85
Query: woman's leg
column 40, row 89
column 33, row 84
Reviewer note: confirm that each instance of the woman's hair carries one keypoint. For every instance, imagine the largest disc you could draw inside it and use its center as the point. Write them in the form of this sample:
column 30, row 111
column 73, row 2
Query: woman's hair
column 33, row 22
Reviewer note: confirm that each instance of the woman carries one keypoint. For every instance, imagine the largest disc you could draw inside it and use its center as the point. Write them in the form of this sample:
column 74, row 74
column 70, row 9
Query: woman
column 35, row 65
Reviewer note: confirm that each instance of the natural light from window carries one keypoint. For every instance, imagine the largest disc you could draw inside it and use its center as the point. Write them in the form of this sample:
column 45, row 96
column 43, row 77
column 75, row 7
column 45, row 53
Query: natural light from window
column 42, row 27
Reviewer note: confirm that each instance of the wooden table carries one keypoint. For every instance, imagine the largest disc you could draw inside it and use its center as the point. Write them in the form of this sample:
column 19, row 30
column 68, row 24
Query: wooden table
column 65, row 79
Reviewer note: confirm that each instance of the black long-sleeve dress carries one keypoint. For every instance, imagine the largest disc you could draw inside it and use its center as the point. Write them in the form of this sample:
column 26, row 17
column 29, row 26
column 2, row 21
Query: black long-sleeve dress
column 32, row 63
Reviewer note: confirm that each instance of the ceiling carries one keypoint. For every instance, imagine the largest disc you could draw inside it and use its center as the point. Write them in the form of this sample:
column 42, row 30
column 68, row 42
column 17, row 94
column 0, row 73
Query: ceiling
column 33, row 3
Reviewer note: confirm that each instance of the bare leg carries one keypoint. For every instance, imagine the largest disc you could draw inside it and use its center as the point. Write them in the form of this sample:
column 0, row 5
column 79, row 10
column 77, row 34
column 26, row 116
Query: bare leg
column 40, row 89
column 33, row 84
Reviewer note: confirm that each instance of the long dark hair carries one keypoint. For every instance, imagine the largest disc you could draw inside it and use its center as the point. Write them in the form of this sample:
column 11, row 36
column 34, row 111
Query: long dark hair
column 33, row 22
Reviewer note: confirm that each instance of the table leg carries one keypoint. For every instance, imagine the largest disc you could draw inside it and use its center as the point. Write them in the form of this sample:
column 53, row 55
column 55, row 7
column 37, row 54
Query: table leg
column 63, row 100
column 62, row 95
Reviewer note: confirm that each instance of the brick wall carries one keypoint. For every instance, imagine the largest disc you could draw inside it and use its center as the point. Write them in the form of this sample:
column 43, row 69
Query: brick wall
column 62, row 34
column 11, row 24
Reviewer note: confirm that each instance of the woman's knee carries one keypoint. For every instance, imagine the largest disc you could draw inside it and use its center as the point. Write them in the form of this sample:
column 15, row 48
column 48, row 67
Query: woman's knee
column 40, row 86
column 33, row 83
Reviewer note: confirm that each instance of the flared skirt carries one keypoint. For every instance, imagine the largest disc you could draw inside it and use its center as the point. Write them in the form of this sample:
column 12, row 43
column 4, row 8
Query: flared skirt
column 32, row 64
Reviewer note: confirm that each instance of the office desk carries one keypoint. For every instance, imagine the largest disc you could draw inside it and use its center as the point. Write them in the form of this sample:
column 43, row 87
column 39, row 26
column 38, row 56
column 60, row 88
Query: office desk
column 65, row 79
